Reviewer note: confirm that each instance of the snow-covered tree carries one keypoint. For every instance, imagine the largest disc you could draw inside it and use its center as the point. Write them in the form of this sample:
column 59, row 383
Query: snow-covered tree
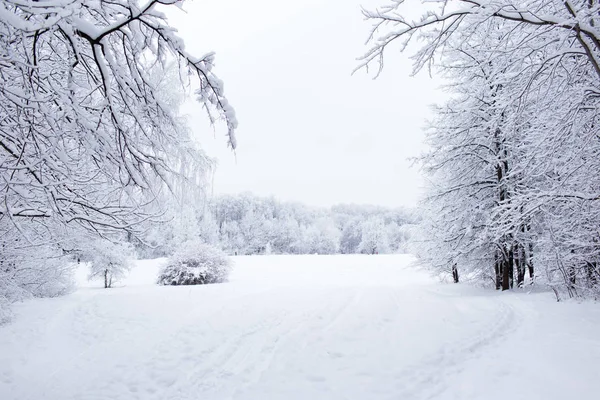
column 323, row 237
column 512, row 151
column 108, row 260
column 208, row 229
column 351, row 236
column 247, row 223
column 84, row 129
column 230, row 237
column 90, row 139
column 45, row 271
column 398, row 237
column 374, row 239
column 253, row 230
column 286, row 232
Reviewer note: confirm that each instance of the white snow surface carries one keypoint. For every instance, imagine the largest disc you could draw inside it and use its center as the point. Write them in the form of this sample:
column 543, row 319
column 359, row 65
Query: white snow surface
column 300, row 327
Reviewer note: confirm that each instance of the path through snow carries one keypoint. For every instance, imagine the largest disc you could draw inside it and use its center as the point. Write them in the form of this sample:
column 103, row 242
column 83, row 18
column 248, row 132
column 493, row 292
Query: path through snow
column 300, row 327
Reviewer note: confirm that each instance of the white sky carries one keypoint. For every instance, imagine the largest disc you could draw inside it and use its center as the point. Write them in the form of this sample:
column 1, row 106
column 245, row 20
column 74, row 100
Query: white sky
column 309, row 131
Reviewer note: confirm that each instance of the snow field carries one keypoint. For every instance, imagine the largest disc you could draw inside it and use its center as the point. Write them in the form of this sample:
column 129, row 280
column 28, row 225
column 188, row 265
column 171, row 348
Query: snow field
column 300, row 327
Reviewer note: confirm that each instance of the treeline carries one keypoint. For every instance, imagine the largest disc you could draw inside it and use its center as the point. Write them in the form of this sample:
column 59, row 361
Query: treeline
column 514, row 189
column 246, row 224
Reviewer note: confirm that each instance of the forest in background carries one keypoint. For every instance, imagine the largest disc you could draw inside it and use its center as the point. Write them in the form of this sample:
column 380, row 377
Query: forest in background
column 246, row 224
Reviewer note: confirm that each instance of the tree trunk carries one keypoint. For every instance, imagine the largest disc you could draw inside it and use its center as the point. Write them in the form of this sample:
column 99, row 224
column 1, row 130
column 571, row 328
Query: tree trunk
column 511, row 267
column 572, row 276
column 593, row 272
column 530, row 262
column 520, row 262
column 506, row 267
column 455, row 273
column 520, row 273
column 505, row 277
column 498, row 270
column 105, row 279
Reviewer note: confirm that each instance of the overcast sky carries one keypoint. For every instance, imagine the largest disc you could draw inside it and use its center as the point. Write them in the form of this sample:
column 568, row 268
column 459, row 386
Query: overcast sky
column 309, row 130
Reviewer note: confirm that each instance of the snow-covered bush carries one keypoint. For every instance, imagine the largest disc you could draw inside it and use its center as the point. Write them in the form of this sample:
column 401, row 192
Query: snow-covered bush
column 196, row 264
column 30, row 271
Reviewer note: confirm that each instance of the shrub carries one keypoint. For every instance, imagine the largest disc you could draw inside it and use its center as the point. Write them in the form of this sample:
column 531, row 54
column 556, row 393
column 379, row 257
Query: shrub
column 27, row 272
column 196, row 264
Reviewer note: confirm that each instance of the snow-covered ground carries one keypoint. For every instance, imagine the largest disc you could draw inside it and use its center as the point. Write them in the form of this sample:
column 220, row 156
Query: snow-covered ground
column 300, row 327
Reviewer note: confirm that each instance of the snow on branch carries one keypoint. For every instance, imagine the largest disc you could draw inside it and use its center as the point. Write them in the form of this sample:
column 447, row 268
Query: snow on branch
column 85, row 132
column 443, row 17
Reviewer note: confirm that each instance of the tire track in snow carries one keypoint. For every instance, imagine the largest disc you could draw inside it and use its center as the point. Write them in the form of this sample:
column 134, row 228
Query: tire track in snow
column 193, row 360
column 151, row 367
column 307, row 325
column 344, row 309
column 232, row 367
column 431, row 377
